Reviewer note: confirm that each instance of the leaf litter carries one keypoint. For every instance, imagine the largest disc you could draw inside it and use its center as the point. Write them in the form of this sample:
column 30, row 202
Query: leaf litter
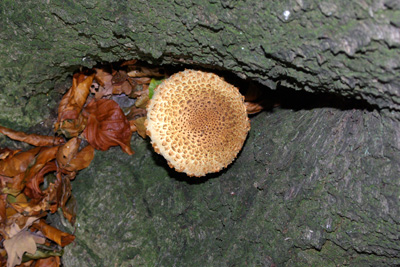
column 37, row 182
column 101, row 109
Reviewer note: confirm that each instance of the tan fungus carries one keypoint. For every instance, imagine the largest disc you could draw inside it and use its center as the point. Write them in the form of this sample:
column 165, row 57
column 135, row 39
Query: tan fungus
column 197, row 121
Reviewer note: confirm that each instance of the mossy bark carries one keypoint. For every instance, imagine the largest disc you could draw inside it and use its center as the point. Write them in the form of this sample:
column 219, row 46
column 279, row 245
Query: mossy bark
column 311, row 186
column 315, row 187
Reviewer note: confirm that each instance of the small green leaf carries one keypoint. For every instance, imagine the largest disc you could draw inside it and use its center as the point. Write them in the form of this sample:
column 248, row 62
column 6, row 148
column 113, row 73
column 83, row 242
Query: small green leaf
column 153, row 84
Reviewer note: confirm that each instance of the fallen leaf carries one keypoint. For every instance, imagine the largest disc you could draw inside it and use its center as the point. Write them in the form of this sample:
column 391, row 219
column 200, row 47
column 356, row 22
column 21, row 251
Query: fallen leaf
column 122, row 88
column 32, row 139
column 3, row 207
column 52, row 233
column 70, row 159
column 142, row 80
column 16, row 224
column 24, row 241
column 140, row 128
column 135, row 113
column 71, row 128
column 81, row 160
column 129, row 62
column 141, row 101
column 26, row 263
column 7, row 153
column 45, row 155
column 48, row 262
column 32, row 189
column 107, row 126
column 254, row 99
column 32, row 208
column 69, row 209
column 10, row 211
column 15, row 185
column 18, row 163
column 141, row 71
column 119, row 77
column 104, row 78
column 253, row 107
column 67, row 152
column 3, row 258
column 72, row 103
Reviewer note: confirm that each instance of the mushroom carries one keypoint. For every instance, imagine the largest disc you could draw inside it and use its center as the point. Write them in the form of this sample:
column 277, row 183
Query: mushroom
column 197, row 121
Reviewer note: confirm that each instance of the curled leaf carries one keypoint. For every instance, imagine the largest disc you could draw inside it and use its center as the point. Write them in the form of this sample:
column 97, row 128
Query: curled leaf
column 18, row 163
column 139, row 126
column 72, row 103
column 69, row 209
column 81, row 160
column 52, row 233
column 104, row 79
column 141, row 101
column 107, row 126
column 253, row 107
column 45, row 155
column 71, row 128
column 67, row 152
column 141, row 71
column 7, row 153
column 32, row 189
column 33, row 139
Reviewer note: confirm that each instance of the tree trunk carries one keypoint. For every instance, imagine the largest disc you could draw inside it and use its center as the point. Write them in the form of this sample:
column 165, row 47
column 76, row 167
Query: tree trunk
column 318, row 180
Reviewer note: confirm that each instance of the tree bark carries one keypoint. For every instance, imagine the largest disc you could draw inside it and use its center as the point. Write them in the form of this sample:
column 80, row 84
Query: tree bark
column 314, row 184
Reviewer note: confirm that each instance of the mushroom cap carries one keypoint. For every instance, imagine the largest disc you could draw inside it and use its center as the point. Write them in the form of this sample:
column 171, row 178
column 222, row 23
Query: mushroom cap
column 197, row 121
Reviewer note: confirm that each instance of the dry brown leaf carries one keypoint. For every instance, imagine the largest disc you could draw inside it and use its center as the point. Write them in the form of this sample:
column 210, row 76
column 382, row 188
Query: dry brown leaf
column 142, row 80
column 135, row 113
column 3, row 208
column 7, row 153
column 17, row 164
column 70, row 159
column 24, row 241
column 33, row 139
column 129, row 62
column 107, row 126
column 15, row 185
column 10, row 211
column 71, row 128
column 122, row 88
column 253, row 107
column 16, row 224
column 69, row 209
column 254, row 99
column 138, row 93
column 72, row 103
column 104, row 79
column 32, row 208
column 48, row 262
column 119, row 77
column 141, row 101
column 81, row 160
column 32, row 189
column 52, row 233
column 45, row 155
column 26, row 264
column 67, row 152
column 140, row 71
column 140, row 128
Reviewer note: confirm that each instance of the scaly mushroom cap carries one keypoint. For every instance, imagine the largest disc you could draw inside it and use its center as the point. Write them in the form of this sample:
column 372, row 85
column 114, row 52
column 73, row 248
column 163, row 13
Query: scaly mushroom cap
column 197, row 121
